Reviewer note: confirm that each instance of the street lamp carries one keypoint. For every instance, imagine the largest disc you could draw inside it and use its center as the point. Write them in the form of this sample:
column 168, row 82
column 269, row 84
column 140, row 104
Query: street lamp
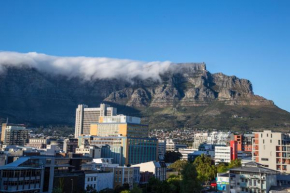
column 72, row 185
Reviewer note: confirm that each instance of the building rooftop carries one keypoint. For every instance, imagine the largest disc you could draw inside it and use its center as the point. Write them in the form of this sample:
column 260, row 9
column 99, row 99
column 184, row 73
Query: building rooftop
column 253, row 167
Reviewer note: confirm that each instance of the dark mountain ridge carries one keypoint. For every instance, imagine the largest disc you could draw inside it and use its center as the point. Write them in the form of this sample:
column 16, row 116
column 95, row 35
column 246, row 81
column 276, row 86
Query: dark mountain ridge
column 185, row 96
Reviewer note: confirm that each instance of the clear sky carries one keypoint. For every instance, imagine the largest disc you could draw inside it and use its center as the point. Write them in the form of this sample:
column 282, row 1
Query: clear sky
column 246, row 38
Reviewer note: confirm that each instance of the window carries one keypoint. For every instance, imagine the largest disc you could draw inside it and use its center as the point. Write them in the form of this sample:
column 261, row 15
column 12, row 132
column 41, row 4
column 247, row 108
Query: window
column 264, row 159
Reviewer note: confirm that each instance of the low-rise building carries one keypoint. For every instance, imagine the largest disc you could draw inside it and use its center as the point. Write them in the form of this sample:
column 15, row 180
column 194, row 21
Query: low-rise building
column 21, row 176
column 249, row 178
column 38, row 143
column 122, row 175
column 70, row 145
column 173, row 145
column 225, row 154
column 157, row 168
column 184, row 152
column 99, row 180
column 91, row 151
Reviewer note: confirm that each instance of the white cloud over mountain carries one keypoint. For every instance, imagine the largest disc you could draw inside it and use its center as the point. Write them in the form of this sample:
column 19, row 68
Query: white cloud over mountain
column 86, row 68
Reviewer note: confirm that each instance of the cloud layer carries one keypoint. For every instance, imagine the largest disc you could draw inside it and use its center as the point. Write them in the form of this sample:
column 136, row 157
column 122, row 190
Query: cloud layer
column 87, row 68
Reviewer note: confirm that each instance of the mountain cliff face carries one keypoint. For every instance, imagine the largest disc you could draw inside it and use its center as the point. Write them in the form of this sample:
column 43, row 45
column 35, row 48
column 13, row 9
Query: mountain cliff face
column 189, row 85
column 188, row 96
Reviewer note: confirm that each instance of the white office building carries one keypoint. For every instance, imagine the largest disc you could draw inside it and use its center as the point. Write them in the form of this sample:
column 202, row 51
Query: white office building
column 222, row 154
column 184, row 152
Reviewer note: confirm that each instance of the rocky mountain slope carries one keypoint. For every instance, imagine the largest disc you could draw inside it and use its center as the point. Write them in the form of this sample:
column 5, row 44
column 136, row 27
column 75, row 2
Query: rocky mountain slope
column 187, row 96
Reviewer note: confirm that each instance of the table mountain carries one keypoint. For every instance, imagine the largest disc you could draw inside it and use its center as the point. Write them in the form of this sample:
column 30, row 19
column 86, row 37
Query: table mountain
column 186, row 96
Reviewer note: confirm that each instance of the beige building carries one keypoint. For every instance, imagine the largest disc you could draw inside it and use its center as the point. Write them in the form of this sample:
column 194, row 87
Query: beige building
column 119, row 125
column 91, row 151
column 122, row 175
column 86, row 116
column 272, row 150
column 38, row 143
column 14, row 134
column 157, row 168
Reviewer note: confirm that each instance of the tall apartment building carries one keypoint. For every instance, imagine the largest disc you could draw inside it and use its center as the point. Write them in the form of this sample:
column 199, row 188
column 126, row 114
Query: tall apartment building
column 85, row 116
column 272, row 150
column 124, row 139
column 14, row 134
column 244, row 142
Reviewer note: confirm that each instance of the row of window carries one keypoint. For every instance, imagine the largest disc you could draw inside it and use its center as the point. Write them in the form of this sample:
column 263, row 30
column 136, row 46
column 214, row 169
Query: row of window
column 20, row 173
column 20, row 183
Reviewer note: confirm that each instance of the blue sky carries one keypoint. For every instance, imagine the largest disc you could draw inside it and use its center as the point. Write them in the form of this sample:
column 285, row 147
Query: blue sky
column 246, row 38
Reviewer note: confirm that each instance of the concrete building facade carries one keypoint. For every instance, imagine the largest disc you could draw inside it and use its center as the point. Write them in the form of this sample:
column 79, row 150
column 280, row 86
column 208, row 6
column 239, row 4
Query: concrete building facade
column 14, row 134
column 85, row 116
column 99, row 180
column 272, row 150
column 157, row 168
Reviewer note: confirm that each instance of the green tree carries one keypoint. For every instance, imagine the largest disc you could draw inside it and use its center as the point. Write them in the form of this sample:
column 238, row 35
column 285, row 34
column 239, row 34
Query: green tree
column 136, row 189
column 156, row 186
column 90, row 189
column 125, row 191
column 235, row 163
column 174, row 183
column 178, row 165
column 190, row 183
column 119, row 189
column 57, row 190
column 107, row 190
column 222, row 168
column 205, row 168
column 172, row 156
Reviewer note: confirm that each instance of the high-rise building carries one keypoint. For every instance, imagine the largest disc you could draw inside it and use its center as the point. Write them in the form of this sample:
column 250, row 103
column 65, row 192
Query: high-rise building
column 272, row 150
column 85, row 116
column 14, row 134
column 124, row 139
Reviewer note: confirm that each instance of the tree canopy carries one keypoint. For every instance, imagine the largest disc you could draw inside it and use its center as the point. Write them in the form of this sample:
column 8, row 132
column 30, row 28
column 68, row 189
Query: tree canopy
column 205, row 168
column 190, row 182
column 172, row 156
